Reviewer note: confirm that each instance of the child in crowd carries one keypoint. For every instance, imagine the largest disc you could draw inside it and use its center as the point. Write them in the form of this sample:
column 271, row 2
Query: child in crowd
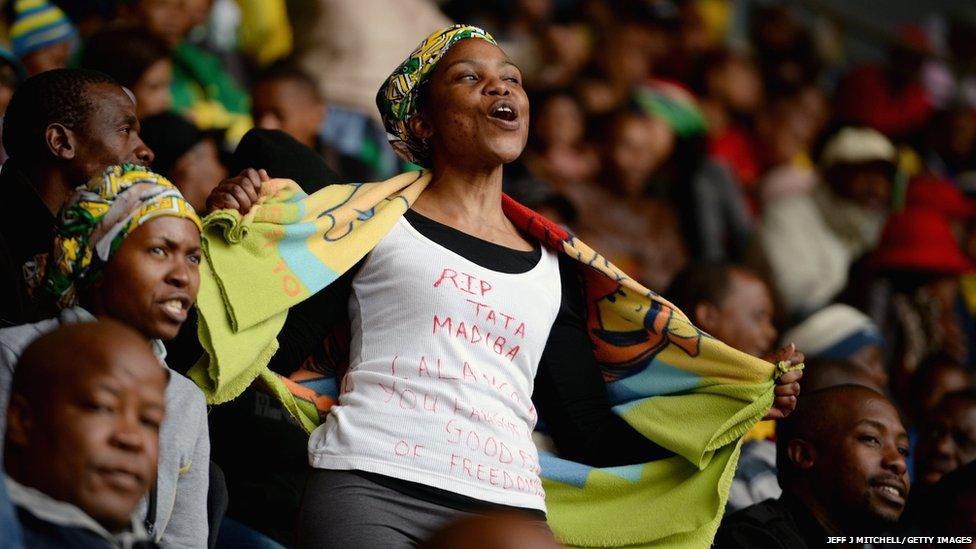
column 137, row 60
column 286, row 98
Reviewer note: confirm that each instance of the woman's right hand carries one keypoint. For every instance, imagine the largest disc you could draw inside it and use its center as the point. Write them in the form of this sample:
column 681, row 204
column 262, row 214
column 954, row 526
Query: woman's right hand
column 239, row 193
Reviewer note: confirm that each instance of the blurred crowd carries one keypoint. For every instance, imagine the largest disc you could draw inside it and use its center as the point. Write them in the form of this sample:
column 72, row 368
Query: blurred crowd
column 728, row 155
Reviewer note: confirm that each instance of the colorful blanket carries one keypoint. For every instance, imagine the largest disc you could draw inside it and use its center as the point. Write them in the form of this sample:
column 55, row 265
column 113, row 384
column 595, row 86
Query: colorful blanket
column 676, row 385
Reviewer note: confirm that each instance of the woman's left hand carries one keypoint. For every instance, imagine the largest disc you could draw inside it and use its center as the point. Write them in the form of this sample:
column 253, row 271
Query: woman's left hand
column 788, row 385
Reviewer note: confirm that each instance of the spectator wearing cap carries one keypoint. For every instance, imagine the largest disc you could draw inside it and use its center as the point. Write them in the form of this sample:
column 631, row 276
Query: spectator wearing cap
column 187, row 156
column 809, row 240
column 913, row 294
column 941, row 195
column 841, row 332
column 41, row 35
column 936, row 193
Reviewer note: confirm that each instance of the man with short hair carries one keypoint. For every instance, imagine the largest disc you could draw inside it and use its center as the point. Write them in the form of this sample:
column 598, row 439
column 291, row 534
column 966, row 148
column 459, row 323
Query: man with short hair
column 62, row 128
column 83, row 435
column 731, row 303
column 842, row 458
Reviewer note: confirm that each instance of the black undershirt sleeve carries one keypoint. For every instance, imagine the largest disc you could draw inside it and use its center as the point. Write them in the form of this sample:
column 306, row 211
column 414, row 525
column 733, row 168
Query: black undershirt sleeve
column 570, row 393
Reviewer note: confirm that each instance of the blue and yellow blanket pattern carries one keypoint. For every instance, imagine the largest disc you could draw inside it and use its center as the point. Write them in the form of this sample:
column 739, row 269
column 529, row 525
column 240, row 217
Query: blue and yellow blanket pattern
column 678, row 386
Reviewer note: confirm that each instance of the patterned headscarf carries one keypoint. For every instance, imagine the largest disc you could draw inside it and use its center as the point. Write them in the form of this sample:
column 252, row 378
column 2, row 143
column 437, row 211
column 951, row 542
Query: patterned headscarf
column 92, row 225
column 398, row 97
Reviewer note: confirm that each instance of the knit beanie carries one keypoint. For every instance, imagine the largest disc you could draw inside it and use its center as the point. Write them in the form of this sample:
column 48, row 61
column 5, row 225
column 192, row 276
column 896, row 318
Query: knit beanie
column 38, row 24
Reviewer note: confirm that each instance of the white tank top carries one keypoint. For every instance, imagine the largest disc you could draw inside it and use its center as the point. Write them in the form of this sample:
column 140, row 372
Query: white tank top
column 443, row 357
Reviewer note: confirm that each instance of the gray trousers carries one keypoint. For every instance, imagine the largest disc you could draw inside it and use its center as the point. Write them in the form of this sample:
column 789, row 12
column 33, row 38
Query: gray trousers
column 342, row 510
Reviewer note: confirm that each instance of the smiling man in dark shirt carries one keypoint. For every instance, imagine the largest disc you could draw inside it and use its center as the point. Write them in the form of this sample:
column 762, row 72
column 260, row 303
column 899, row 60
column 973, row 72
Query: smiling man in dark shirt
column 842, row 460
column 62, row 128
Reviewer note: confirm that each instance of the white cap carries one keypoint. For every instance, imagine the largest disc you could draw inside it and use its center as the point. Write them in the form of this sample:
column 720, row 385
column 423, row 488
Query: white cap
column 857, row 146
column 836, row 331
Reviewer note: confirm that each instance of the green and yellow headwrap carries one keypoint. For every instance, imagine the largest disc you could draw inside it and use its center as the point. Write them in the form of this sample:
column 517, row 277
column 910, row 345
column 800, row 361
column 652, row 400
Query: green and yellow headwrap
column 93, row 223
column 398, row 98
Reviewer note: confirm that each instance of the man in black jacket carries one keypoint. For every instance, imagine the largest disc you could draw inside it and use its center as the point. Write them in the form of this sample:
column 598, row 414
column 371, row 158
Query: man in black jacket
column 62, row 128
column 842, row 459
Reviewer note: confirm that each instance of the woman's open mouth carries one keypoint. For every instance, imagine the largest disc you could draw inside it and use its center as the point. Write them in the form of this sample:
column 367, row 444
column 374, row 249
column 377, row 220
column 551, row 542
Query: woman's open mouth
column 176, row 308
column 505, row 114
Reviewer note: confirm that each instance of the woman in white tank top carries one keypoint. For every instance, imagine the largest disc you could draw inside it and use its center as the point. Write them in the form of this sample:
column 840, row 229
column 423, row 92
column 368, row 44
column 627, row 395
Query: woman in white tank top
column 437, row 400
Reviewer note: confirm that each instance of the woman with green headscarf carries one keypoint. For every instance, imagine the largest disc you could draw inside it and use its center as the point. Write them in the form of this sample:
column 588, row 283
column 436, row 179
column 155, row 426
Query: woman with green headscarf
column 461, row 325
column 127, row 247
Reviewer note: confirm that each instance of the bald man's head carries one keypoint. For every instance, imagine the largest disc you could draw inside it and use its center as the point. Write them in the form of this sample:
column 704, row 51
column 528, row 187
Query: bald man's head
column 83, row 422
column 844, row 453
